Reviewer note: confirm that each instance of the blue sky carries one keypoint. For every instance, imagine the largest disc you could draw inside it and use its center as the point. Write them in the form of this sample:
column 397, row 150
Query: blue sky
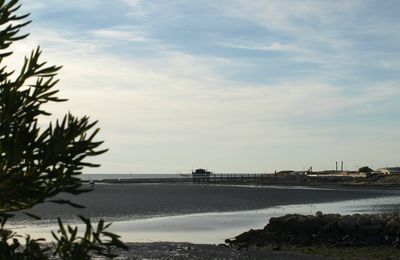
column 228, row 85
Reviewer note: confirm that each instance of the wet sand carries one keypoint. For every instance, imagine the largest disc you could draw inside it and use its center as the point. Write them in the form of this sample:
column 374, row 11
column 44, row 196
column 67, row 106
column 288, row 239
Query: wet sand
column 134, row 201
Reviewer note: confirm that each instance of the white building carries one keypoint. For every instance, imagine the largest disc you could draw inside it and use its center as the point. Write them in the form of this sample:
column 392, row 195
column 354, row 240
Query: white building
column 390, row 170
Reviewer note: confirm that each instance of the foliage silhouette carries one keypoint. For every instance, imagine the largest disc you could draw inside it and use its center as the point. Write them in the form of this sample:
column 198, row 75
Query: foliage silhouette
column 365, row 169
column 36, row 164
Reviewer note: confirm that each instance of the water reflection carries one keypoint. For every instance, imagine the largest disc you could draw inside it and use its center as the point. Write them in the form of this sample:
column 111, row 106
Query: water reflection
column 216, row 227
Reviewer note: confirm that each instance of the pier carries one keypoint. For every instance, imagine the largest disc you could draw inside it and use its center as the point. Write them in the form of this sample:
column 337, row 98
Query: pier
column 257, row 178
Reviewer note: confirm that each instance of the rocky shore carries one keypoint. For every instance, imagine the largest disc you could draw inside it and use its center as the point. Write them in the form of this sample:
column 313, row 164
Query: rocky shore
column 325, row 229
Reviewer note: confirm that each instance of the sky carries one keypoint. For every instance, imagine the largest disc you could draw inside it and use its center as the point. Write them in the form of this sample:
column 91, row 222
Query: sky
column 232, row 86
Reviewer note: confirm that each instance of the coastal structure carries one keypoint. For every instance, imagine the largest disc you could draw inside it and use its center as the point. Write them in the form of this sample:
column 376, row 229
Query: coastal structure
column 201, row 173
column 281, row 177
column 390, row 170
column 205, row 176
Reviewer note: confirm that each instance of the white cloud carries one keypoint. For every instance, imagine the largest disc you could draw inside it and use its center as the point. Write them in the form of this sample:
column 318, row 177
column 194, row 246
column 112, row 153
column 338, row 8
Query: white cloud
column 314, row 28
column 121, row 33
column 275, row 46
column 135, row 7
column 297, row 17
column 33, row 6
column 133, row 3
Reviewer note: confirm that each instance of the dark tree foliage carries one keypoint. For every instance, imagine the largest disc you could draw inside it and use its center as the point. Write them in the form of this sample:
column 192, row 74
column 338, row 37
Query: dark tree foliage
column 36, row 164
column 365, row 169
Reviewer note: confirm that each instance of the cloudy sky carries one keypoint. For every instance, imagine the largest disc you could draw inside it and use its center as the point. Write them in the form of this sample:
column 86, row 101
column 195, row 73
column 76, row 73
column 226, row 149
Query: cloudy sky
column 242, row 86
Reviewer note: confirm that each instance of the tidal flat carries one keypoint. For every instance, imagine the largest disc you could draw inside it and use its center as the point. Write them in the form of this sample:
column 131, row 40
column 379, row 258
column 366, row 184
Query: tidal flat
column 116, row 202
column 155, row 215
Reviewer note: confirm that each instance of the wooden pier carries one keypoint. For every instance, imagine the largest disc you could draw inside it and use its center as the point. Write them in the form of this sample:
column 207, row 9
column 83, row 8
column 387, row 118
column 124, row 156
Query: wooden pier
column 250, row 178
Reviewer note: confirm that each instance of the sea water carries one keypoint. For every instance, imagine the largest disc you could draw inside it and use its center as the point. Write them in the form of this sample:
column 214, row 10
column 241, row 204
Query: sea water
column 216, row 227
column 133, row 176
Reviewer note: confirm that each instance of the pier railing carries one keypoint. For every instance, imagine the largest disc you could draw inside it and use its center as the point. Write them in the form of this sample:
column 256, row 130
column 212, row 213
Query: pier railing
column 249, row 177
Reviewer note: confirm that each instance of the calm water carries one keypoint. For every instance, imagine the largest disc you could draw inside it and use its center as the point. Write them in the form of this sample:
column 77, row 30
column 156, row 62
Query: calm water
column 216, row 227
column 132, row 176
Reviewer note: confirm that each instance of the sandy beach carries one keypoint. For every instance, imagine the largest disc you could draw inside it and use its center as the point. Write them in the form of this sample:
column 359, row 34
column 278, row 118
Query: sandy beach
column 134, row 201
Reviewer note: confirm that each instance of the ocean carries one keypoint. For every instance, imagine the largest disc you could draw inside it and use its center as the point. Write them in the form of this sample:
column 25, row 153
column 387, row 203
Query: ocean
column 133, row 176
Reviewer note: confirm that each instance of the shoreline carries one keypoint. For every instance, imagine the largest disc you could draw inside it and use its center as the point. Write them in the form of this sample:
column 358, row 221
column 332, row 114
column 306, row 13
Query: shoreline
column 216, row 227
column 389, row 181
column 213, row 227
column 120, row 202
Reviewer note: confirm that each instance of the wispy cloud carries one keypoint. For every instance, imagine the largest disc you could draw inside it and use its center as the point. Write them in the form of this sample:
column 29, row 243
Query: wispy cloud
column 33, row 6
column 295, row 17
column 135, row 6
column 132, row 3
column 314, row 28
column 122, row 33
column 275, row 46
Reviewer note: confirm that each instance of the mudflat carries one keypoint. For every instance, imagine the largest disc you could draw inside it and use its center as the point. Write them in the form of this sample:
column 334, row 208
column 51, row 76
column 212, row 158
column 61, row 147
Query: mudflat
column 134, row 201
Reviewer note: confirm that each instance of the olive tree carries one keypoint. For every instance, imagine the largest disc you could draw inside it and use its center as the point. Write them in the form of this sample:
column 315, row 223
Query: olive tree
column 37, row 163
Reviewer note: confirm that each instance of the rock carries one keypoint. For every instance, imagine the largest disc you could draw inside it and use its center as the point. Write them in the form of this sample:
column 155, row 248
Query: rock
column 332, row 218
column 275, row 220
column 275, row 224
column 276, row 247
column 385, row 217
column 249, row 236
column 389, row 239
column 261, row 244
column 347, row 224
column 287, row 223
column 375, row 220
column 229, row 241
column 371, row 230
column 363, row 220
column 291, row 223
column 391, row 227
column 329, row 229
column 303, row 239
column 283, row 237
column 309, row 225
column 282, row 219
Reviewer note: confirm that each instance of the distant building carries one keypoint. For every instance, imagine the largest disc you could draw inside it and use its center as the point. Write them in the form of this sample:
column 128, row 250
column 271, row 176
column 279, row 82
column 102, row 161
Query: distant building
column 286, row 172
column 201, row 173
column 390, row 170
